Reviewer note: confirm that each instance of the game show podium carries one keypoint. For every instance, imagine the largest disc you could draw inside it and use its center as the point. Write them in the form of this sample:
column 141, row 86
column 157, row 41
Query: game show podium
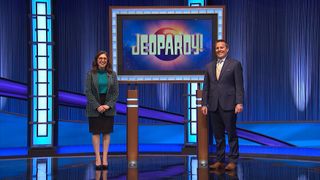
column 202, row 134
column 132, row 128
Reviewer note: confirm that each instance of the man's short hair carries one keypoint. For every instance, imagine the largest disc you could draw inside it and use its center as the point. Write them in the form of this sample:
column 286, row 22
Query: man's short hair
column 224, row 41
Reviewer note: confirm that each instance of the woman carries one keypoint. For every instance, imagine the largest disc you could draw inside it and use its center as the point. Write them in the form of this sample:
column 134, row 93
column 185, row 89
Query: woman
column 102, row 91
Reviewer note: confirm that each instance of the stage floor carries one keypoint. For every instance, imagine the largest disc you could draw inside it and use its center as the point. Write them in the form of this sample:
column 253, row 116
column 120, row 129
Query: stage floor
column 155, row 167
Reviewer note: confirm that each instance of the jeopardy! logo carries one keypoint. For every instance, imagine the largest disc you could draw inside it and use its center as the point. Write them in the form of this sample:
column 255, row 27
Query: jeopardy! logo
column 167, row 44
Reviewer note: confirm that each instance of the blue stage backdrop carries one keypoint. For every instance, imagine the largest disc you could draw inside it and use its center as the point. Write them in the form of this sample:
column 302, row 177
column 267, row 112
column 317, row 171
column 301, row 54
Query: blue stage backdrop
column 13, row 49
column 277, row 42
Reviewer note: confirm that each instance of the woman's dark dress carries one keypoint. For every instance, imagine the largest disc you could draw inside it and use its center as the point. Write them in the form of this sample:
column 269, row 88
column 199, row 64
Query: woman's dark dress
column 101, row 124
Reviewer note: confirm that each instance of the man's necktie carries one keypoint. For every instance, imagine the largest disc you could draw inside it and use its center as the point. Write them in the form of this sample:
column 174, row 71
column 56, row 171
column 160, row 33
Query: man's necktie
column 218, row 68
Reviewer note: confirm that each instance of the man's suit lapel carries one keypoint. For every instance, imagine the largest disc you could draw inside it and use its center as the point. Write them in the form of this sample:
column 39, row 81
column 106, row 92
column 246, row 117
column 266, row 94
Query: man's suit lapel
column 214, row 70
column 224, row 67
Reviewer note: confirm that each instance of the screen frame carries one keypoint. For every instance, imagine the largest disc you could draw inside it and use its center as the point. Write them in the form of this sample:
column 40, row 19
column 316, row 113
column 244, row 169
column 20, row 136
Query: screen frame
column 114, row 11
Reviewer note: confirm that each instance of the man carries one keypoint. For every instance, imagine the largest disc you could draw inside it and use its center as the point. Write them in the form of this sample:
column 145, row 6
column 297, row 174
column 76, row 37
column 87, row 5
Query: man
column 222, row 101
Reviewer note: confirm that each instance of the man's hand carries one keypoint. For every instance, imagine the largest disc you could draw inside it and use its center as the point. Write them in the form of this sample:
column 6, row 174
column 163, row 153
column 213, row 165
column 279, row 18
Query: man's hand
column 204, row 110
column 238, row 108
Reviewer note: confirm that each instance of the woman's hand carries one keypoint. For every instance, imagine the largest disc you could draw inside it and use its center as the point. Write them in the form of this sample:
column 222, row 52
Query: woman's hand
column 101, row 109
column 106, row 107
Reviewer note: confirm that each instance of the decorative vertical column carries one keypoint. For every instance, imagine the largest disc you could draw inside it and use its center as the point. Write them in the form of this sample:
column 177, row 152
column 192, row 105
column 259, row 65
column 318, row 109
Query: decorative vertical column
column 191, row 131
column 132, row 174
column 41, row 89
column 41, row 168
column 202, row 134
column 132, row 128
column 203, row 173
column 190, row 140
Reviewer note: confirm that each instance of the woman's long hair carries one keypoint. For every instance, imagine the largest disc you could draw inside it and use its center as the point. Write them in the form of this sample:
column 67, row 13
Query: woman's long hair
column 95, row 65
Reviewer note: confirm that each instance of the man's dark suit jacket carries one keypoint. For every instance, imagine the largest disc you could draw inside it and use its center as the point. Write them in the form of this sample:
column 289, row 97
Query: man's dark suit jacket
column 228, row 90
column 93, row 98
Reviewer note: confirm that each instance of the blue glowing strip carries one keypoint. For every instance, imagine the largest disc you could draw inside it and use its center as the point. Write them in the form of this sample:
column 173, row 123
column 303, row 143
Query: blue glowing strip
column 50, row 56
column 250, row 150
column 41, row 168
column 189, row 115
column 192, row 138
column 192, row 165
column 49, row 168
column 49, row 27
column 34, row 168
column 50, row 83
column 189, row 164
column 42, row 58
column 34, row 59
column 262, row 139
column 192, row 162
column 34, row 32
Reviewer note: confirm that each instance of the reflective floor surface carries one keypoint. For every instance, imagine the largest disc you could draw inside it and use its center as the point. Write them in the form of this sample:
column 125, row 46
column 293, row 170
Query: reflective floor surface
column 155, row 167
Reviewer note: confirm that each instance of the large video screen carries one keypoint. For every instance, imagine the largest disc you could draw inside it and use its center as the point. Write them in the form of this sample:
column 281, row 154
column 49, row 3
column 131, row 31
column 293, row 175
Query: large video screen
column 165, row 44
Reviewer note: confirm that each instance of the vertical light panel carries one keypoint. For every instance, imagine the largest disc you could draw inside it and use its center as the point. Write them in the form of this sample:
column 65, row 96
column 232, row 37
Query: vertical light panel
column 192, row 87
column 192, row 113
column 41, row 168
column 192, row 167
column 41, row 75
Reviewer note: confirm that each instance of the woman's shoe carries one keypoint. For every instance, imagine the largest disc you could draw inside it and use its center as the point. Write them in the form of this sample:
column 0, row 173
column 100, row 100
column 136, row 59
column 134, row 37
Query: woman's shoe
column 105, row 167
column 99, row 167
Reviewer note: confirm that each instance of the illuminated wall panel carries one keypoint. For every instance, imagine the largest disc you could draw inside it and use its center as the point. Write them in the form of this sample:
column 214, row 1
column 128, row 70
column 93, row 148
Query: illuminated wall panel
column 41, row 113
